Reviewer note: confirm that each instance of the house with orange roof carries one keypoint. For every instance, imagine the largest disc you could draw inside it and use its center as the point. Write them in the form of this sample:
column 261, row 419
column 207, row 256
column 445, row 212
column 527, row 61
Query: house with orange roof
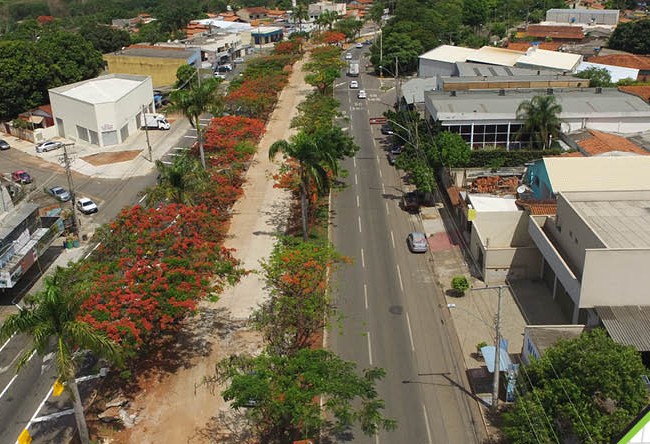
column 642, row 91
column 523, row 46
column 556, row 33
column 596, row 143
column 642, row 63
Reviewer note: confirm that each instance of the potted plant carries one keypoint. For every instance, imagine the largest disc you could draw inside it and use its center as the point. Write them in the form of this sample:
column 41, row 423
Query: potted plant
column 460, row 285
column 479, row 346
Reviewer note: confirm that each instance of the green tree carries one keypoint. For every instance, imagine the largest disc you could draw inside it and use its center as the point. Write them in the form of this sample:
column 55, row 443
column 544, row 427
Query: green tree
column 632, row 37
column 311, row 159
column 185, row 76
column 475, row 12
column 104, row 38
column 282, row 394
column 349, row 26
column 179, row 180
column 71, row 58
column 52, row 326
column 300, row 13
column 195, row 101
column 316, row 111
column 581, row 390
column 541, row 120
column 151, row 33
column 398, row 46
column 596, row 76
column 455, row 152
column 327, row 18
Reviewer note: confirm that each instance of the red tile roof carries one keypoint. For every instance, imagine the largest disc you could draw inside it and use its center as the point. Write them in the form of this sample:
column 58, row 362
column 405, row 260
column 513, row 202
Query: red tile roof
column 601, row 142
column 572, row 154
column 558, row 32
column 642, row 91
column 625, row 60
column 538, row 207
column 454, row 195
column 523, row 46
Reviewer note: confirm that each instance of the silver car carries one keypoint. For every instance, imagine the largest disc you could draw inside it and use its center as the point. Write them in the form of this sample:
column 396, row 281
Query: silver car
column 59, row 193
column 48, row 145
column 417, row 242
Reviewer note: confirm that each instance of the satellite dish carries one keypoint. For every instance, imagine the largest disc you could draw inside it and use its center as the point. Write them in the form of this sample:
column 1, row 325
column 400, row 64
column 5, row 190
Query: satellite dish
column 521, row 189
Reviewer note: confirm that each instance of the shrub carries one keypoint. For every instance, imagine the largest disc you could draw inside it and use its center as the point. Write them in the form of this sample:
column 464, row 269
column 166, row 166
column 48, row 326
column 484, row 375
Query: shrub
column 460, row 284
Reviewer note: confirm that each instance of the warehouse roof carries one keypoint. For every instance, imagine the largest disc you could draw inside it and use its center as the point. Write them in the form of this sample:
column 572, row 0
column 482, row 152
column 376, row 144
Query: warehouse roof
column 448, row 53
column 503, row 104
column 564, row 61
column 616, row 72
column 103, row 89
column 413, row 90
column 466, row 69
column 495, row 56
column 628, row 325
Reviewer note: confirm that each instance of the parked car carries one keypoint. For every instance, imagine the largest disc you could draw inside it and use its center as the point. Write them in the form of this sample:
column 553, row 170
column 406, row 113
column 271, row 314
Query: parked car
column 226, row 67
column 354, row 84
column 386, row 129
column 59, row 193
column 21, row 176
column 397, row 150
column 411, row 202
column 86, row 206
column 48, row 145
column 417, row 242
column 348, row 56
column 392, row 158
column 239, row 60
column 359, row 45
column 361, row 94
column 218, row 75
column 4, row 145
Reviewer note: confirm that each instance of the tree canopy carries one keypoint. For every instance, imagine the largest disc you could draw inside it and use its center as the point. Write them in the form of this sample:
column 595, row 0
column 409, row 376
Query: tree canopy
column 596, row 76
column 581, row 390
column 632, row 37
column 541, row 120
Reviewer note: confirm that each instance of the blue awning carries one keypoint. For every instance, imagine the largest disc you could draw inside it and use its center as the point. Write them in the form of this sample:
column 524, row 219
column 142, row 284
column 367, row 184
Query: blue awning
column 505, row 363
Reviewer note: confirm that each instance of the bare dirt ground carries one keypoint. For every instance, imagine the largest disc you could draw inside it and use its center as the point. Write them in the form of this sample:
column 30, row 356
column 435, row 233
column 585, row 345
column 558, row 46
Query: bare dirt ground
column 171, row 406
column 114, row 157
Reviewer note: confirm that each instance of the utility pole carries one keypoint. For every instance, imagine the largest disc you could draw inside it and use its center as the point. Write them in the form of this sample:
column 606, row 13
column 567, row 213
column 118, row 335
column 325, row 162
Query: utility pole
column 65, row 158
column 381, row 53
column 396, row 85
column 146, row 132
column 497, row 356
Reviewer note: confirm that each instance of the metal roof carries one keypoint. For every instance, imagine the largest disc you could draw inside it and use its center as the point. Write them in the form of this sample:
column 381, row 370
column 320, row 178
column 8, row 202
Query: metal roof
column 478, row 105
column 103, row 89
column 564, row 61
column 616, row 72
column 11, row 219
column 413, row 90
column 466, row 69
column 448, row 53
column 160, row 52
column 495, row 56
column 489, row 203
column 627, row 324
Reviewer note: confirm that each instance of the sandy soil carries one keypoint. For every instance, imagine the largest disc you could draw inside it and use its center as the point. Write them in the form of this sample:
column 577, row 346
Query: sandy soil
column 173, row 407
column 114, row 157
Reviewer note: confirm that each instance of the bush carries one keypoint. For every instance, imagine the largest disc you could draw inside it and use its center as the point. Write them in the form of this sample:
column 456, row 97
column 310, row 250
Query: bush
column 460, row 284
column 491, row 158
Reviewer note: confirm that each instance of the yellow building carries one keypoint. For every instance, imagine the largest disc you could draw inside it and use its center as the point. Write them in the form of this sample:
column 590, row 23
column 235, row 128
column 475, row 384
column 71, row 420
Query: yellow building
column 158, row 62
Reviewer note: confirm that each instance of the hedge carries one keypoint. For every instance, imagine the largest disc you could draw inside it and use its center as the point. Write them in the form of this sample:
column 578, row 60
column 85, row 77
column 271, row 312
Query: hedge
column 499, row 158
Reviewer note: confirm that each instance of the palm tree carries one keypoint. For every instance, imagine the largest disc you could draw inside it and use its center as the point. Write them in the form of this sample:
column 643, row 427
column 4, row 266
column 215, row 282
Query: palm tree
column 201, row 97
column 300, row 13
column 312, row 163
column 52, row 324
column 183, row 176
column 541, row 119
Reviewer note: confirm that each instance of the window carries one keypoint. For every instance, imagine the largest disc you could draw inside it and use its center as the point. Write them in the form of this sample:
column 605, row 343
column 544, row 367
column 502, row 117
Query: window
column 82, row 133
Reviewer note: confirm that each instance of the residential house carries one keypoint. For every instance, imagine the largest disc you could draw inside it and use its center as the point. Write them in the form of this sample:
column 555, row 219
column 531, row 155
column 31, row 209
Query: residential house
column 554, row 33
column 642, row 63
column 252, row 13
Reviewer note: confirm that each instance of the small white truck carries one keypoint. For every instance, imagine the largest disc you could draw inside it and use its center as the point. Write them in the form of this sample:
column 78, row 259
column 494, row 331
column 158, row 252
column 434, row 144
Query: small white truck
column 155, row 121
column 353, row 69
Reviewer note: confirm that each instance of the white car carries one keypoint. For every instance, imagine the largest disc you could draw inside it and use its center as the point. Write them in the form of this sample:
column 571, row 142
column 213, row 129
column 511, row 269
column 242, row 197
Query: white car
column 218, row 75
column 362, row 94
column 239, row 60
column 348, row 56
column 359, row 45
column 354, row 84
column 87, row 206
column 48, row 145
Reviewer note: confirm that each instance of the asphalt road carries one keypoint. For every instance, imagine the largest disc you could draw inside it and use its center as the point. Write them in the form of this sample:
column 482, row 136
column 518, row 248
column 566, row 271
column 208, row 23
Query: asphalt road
column 392, row 317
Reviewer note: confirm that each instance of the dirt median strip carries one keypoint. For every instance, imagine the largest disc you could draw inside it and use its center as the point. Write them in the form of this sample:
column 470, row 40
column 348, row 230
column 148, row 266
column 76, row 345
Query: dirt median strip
column 114, row 157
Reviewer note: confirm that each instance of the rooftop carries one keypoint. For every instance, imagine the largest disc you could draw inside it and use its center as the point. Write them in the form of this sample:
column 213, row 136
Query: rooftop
column 413, row 89
column 641, row 91
column 616, row 72
column 628, row 324
column 523, row 46
column 448, row 53
column 564, row 61
column 466, row 69
column 599, row 142
column 488, row 203
column 625, row 60
column 157, row 52
column 102, row 89
column 489, row 104
column 495, row 56
column 545, row 336
column 556, row 32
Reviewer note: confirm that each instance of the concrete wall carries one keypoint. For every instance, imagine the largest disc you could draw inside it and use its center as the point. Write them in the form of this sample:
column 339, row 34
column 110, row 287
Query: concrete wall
column 615, row 277
column 161, row 70
column 73, row 112
column 433, row 68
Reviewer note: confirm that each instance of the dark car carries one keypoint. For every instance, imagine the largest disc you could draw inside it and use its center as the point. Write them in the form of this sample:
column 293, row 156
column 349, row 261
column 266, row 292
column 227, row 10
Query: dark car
column 411, row 202
column 392, row 158
column 386, row 129
column 4, row 145
column 397, row 150
column 21, row 176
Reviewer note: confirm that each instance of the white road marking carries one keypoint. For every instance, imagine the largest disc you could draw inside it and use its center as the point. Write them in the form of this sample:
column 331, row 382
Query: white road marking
column 140, row 201
column 14, row 378
column 354, row 162
column 376, row 439
column 380, row 175
column 189, row 137
column 358, row 206
column 369, row 349
column 387, row 210
column 408, row 324
column 365, row 294
column 359, row 224
column 399, row 276
column 355, row 178
column 7, row 342
column 426, row 423
column 392, row 238
column 383, row 189
column 363, row 260
column 53, row 415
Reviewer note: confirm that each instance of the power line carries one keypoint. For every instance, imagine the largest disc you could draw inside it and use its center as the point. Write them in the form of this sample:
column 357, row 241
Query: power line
column 548, row 421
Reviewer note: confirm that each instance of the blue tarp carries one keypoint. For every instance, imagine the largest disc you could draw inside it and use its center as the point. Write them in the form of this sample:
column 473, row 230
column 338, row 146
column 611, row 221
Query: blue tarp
column 505, row 363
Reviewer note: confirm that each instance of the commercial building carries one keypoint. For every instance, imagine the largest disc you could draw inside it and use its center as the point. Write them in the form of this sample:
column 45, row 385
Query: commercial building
column 592, row 17
column 489, row 117
column 442, row 60
column 103, row 111
column 158, row 62
column 267, row 34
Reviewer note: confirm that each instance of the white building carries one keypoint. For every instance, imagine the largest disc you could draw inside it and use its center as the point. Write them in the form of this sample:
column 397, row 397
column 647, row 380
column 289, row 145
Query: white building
column 584, row 16
column 316, row 9
column 103, row 111
column 442, row 60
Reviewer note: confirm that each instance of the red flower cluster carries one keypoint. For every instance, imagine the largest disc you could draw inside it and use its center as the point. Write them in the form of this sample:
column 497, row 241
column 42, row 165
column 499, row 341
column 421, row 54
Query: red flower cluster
column 331, row 37
column 288, row 47
column 225, row 133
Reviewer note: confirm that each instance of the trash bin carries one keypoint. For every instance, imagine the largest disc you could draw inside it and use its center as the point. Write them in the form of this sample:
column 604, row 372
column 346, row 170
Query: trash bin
column 75, row 243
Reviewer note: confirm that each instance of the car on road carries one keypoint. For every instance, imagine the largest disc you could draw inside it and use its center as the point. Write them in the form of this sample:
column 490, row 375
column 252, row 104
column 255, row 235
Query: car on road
column 59, row 193
column 411, row 202
column 21, row 176
column 48, row 145
column 348, row 56
column 392, row 158
column 359, row 45
column 396, row 150
column 386, row 129
column 417, row 242
column 224, row 68
column 362, row 94
column 4, row 145
column 354, row 84
column 239, row 60
column 86, row 206
column 218, row 75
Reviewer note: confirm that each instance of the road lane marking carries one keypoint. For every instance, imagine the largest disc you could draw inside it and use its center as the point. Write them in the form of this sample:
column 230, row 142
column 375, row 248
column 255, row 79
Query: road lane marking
column 354, row 162
column 376, row 439
column 383, row 189
column 359, row 224
column 380, row 175
column 355, row 178
column 387, row 210
column 365, row 294
column 369, row 349
column 140, row 201
column 363, row 260
column 358, row 206
column 408, row 324
column 15, row 376
column 399, row 276
column 426, row 423
column 392, row 238
column 7, row 342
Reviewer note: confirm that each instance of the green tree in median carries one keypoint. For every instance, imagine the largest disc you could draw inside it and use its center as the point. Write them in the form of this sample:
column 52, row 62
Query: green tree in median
column 581, row 390
column 313, row 165
column 541, row 120
column 179, row 180
column 284, row 393
column 51, row 325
